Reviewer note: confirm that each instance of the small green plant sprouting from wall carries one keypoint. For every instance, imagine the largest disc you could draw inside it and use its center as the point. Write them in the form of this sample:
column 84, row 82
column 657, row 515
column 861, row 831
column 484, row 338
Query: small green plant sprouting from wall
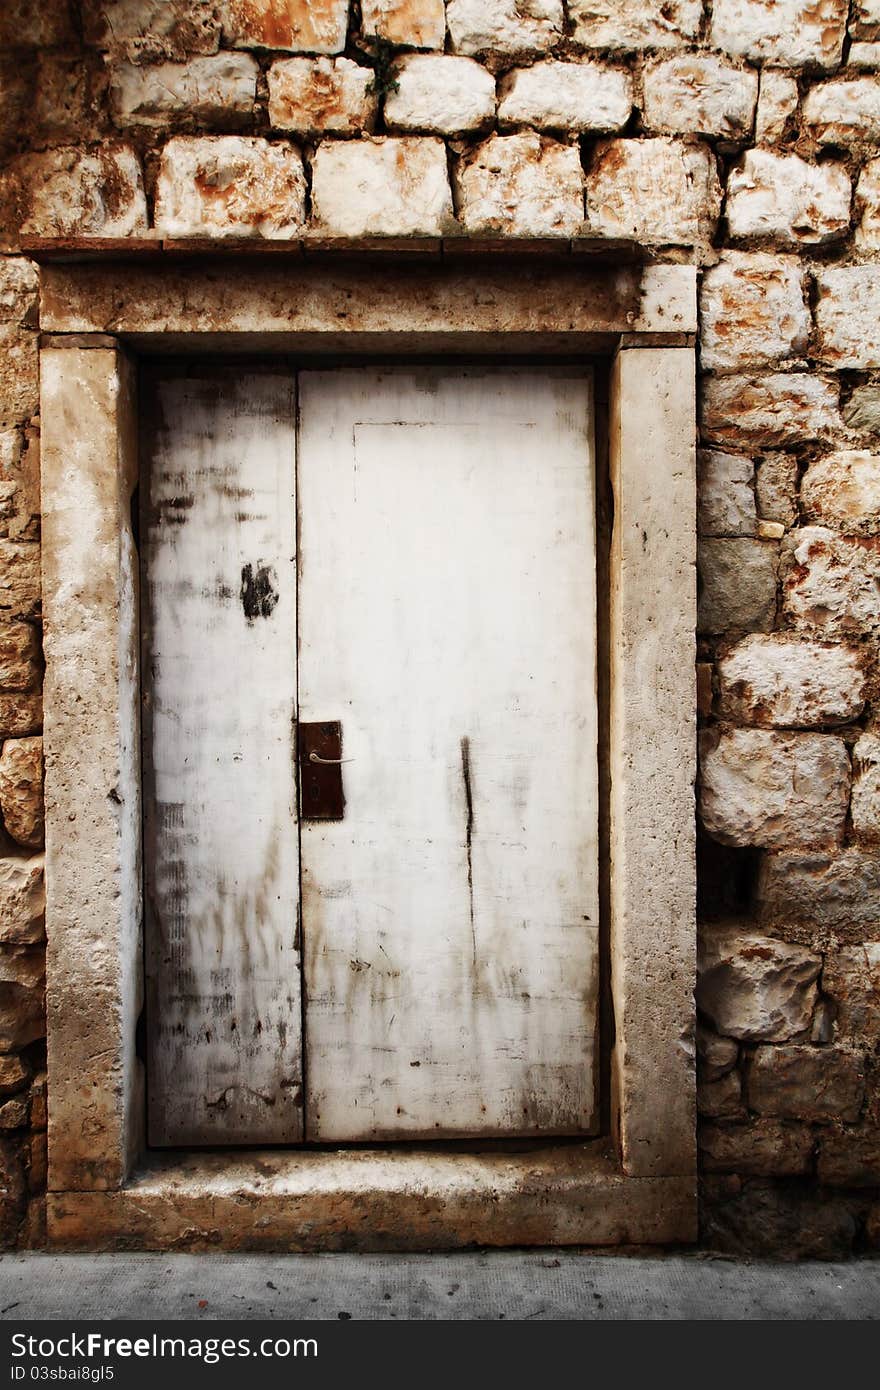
column 380, row 55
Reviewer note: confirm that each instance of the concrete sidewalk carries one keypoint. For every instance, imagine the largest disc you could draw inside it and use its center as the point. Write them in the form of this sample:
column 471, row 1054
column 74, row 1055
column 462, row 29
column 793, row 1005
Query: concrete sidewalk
column 549, row 1284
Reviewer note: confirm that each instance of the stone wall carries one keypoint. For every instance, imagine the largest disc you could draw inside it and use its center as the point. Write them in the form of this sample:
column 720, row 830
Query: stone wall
column 748, row 130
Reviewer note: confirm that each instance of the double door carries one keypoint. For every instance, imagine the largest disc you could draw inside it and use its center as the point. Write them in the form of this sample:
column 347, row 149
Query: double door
column 370, row 728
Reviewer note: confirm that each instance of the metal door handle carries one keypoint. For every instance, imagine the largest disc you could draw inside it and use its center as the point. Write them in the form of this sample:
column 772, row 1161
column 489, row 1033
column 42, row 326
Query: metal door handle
column 328, row 762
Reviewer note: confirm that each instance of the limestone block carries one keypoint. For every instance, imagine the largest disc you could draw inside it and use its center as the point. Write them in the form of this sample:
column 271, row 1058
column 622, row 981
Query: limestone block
column 838, row 891
column 657, row 191
column 753, row 987
column 26, row 24
column 795, row 33
column 21, row 790
column 20, row 583
column 848, row 315
column 382, row 187
column 150, row 31
column 865, row 21
column 63, row 110
column 439, row 93
column 782, row 681
column 831, row 583
column 75, row 192
column 725, row 495
column 766, row 411
column 566, row 96
column 862, row 411
column 752, row 311
column 865, row 804
column 698, row 93
column 19, row 291
column 868, row 207
column 22, row 997
column 763, row 1148
column 14, row 1113
column 19, row 657
column 406, row 23
column 315, row 96
column 865, row 56
column 215, row 90
column 299, row 26
column 229, row 185
column 784, row 197
column 38, row 1167
column 523, row 184
column 844, row 112
column 806, row 1083
column 21, row 713
column 850, row 1158
column 621, row 26
column 504, row 26
column 777, row 103
column 14, row 1074
column 22, row 900
column 715, row 1055
column 852, row 977
column 721, row 1099
column 19, row 373
column 737, row 585
column 842, row 491
column 776, row 481
column 772, row 789
column 20, row 484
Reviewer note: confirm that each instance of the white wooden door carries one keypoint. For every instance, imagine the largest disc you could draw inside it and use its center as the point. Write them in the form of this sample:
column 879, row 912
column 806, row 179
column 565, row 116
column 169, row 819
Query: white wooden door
column 221, row 835
column 447, row 620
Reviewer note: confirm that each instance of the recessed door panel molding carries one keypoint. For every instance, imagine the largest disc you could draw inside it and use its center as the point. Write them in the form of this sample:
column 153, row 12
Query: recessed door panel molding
column 221, row 832
column 447, row 622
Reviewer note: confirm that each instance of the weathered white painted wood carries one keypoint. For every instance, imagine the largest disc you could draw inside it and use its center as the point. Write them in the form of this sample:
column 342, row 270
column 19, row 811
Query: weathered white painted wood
column 447, row 618
column 222, row 888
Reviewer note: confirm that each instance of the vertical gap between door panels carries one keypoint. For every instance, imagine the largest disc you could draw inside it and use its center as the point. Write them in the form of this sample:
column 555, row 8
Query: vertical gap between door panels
column 300, row 924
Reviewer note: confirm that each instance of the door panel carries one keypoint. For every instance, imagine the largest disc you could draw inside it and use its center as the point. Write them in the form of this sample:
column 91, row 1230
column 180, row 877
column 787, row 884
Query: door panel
column 221, row 835
column 447, row 620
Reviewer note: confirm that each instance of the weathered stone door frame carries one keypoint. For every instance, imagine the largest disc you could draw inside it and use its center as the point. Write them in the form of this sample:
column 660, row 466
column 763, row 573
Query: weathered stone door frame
column 638, row 1183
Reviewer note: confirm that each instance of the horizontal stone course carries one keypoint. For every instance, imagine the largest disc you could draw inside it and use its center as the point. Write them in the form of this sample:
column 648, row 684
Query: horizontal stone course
column 783, row 681
column 440, row 93
column 506, row 27
column 621, row 26
column 566, row 96
column 212, row 91
column 74, row 192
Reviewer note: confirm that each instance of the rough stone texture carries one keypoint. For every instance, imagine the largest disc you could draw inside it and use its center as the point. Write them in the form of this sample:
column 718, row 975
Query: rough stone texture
column 653, row 190
column 725, row 495
column 774, row 790
column 566, row 96
column 504, row 26
column 149, row 31
column 21, row 712
column 752, row 311
column 781, row 196
column 794, row 33
column 20, row 484
column 850, row 1158
column 839, row 891
column 22, row 900
column 776, row 485
column 619, row 25
column 844, row 112
column 21, row 790
column 865, row 21
column 806, row 1083
column 20, row 584
column 737, row 585
column 19, row 388
column 763, row 1149
column 765, row 1218
column 868, row 206
column 770, row 410
column 315, row 96
column 72, row 192
column 777, row 103
column 699, row 94
column 19, row 291
column 14, row 1074
column 229, row 185
column 831, row 583
column 300, row 26
column 22, row 997
column 851, row 976
column 441, row 93
column 382, row 187
column 753, row 987
column 716, row 1056
column 24, row 23
column 721, row 1099
column 862, row 411
column 214, row 90
column 864, row 55
column 843, row 491
column 525, row 185
column 789, row 682
column 848, row 315
column 404, row 23
column 12, row 1190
